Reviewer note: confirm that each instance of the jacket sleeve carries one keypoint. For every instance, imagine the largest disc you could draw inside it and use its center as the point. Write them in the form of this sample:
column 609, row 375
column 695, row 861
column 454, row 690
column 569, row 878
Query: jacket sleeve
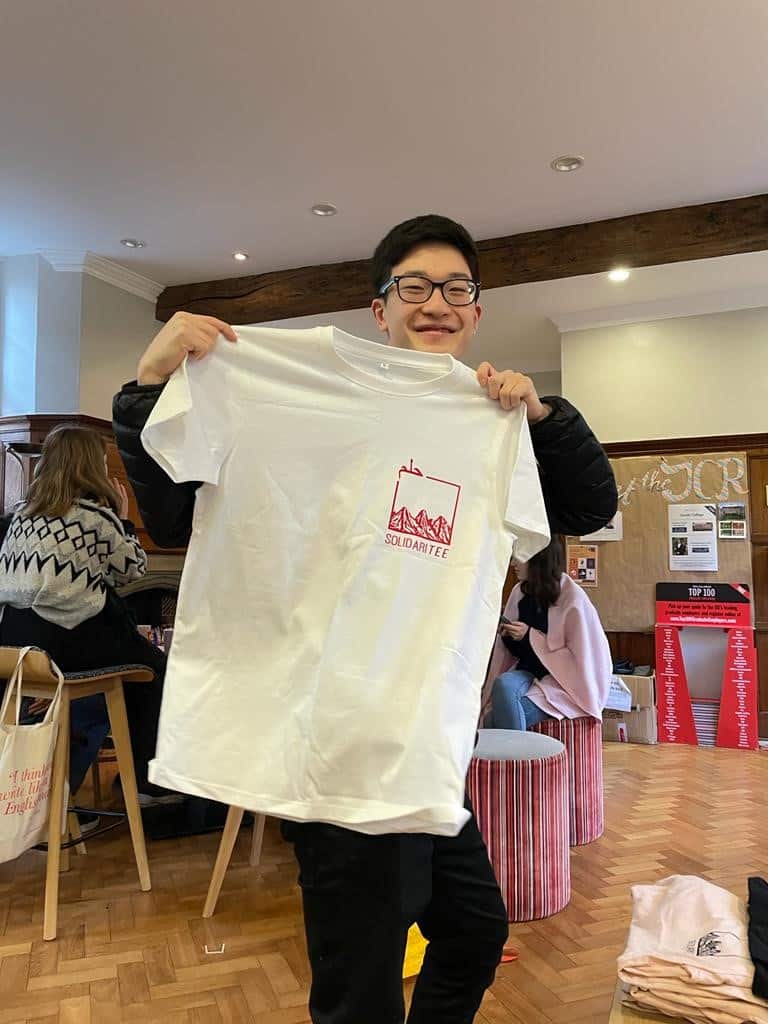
column 576, row 477
column 166, row 507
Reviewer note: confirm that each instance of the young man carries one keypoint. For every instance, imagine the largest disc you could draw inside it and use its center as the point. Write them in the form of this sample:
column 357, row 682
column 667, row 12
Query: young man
column 361, row 892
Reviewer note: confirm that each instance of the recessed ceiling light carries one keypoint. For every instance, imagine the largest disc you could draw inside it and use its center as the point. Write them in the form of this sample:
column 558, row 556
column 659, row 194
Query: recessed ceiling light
column 324, row 210
column 240, row 256
column 567, row 163
column 132, row 243
column 618, row 275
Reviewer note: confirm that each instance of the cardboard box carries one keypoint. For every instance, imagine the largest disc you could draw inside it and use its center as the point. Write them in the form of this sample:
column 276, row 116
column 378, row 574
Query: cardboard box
column 638, row 725
column 643, row 690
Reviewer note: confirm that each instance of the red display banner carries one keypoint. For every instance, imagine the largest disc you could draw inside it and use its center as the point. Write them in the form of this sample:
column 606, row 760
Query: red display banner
column 675, row 715
column 726, row 606
column 737, row 725
column 703, row 604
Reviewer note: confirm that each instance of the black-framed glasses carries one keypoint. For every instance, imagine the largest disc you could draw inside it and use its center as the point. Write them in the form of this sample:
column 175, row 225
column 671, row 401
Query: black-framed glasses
column 457, row 291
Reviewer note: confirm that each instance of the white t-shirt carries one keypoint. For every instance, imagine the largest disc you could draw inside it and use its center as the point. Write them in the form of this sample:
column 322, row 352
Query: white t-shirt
column 687, row 953
column 342, row 587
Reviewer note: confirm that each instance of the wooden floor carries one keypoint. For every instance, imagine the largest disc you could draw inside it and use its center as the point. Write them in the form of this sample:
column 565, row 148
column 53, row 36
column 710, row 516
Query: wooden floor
column 123, row 955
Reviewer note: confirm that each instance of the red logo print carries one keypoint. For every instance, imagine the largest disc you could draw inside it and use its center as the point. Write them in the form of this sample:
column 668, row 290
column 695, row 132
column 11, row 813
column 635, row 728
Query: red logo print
column 424, row 506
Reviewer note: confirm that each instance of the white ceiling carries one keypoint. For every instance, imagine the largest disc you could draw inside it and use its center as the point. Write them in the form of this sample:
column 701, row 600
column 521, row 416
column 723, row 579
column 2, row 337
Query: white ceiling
column 205, row 128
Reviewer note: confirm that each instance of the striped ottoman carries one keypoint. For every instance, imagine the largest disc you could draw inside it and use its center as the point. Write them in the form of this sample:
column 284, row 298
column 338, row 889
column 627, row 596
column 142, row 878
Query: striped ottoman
column 518, row 785
column 583, row 740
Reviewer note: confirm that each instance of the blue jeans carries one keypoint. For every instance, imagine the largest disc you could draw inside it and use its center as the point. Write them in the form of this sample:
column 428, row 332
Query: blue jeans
column 510, row 708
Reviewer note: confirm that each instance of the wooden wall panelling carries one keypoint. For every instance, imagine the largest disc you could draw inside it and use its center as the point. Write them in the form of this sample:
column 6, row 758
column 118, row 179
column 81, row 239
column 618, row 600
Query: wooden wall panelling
column 758, row 475
column 639, row 648
column 760, row 582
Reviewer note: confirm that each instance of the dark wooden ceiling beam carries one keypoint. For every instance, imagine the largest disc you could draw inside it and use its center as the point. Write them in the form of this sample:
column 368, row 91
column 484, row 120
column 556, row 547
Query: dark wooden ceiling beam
column 639, row 240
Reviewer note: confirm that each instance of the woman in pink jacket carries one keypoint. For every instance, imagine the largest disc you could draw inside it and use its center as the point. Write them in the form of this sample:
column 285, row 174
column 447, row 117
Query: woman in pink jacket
column 551, row 658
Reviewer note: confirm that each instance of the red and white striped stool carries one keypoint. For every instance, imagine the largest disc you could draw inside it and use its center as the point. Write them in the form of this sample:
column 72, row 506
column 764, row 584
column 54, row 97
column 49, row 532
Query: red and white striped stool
column 518, row 785
column 583, row 740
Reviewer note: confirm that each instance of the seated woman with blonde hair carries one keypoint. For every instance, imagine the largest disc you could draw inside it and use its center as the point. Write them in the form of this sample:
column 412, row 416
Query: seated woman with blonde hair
column 64, row 552
column 551, row 658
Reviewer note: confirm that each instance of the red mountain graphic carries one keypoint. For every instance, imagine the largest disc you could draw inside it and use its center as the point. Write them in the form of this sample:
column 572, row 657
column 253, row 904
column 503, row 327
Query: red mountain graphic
column 421, row 525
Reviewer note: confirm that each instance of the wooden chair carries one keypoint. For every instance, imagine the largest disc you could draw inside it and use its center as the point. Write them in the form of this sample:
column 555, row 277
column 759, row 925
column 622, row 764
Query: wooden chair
column 224, row 855
column 39, row 681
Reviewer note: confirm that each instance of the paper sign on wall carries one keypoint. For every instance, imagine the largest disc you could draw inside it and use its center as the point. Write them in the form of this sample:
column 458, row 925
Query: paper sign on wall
column 611, row 531
column 692, row 538
column 732, row 520
column 582, row 564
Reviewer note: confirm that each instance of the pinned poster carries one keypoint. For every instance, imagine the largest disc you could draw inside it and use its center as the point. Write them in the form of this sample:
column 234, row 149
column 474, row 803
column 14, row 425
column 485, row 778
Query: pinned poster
column 614, row 530
column 724, row 606
column 582, row 563
column 692, row 538
column 732, row 520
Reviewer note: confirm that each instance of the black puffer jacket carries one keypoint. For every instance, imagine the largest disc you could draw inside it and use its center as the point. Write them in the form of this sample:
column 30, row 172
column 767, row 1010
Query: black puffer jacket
column 576, row 477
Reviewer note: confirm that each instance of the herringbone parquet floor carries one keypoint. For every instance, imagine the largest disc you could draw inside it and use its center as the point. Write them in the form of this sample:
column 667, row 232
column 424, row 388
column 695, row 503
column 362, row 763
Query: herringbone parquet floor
column 127, row 956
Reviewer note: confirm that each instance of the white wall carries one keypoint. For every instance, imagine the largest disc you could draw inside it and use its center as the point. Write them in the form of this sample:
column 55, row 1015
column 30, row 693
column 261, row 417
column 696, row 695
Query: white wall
column 688, row 377
column 115, row 329
column 40, row 332
column 548, row 382
column 19, row 348
column 57, row 365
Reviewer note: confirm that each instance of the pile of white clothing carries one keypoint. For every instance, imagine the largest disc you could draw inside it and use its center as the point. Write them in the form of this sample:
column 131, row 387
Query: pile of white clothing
column 687, row 955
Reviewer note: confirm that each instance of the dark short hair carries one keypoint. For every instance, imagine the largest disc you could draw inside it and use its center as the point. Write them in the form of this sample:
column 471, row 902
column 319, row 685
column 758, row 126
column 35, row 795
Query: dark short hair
column 410, row 235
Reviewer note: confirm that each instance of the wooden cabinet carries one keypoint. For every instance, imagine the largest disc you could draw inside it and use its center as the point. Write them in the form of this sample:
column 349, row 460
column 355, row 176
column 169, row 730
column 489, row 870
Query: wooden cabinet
column 21, row 438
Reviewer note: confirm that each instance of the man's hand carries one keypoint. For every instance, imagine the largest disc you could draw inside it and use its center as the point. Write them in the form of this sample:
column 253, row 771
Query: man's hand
column 509, row 389
column 184, row 334
column 516, row 630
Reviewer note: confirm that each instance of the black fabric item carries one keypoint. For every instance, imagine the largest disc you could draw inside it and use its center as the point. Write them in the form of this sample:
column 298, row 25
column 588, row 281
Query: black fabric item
column 166, row 508
column 537, row 618
column 576, row 477
column 109, row 638
column 196, row 816
column 758, row 934
column 361, row 893
column 623, row 667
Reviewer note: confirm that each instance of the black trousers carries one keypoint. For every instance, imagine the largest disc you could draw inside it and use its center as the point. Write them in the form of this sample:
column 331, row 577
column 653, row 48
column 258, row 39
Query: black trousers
column 361, row 894
column 109, row 638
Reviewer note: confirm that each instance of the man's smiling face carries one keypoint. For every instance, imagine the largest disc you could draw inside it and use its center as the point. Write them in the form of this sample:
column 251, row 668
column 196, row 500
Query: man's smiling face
column 433, row 325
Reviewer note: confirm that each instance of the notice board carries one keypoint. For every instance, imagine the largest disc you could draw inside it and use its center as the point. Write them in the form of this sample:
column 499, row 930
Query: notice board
column 631, row 567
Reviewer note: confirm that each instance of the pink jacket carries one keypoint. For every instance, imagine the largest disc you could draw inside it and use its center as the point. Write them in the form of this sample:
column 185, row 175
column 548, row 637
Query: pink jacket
column 574, row 650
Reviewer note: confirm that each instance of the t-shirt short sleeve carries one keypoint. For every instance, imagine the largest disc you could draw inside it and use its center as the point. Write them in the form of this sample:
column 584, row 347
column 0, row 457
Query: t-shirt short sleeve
column 523, row 502
column 189, row 432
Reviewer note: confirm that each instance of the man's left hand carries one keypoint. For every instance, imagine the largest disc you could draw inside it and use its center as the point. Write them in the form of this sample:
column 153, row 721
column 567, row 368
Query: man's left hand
column 509, row 388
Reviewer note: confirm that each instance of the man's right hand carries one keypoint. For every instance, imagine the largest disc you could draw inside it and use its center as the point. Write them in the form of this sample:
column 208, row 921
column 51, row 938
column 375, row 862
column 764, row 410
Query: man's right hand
column 184, row 334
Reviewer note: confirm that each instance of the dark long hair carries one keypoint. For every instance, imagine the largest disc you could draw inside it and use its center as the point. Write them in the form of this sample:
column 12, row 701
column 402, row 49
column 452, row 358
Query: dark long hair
column 544, row 572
